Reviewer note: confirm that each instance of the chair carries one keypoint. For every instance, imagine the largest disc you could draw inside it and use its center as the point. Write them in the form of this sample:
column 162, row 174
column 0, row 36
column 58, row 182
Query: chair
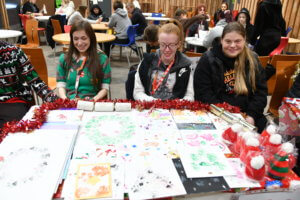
column 264, row 60
column 24, row 19
column 56, row 26
column 67, row 28
column 283, row 43
column 156, row 22
column 31, row 34
column 275, row 58
column 131, row 36
column 284, row 71
column 37, row 59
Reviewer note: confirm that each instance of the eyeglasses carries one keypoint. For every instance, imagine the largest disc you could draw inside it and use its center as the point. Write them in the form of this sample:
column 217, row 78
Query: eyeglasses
column 171, row 45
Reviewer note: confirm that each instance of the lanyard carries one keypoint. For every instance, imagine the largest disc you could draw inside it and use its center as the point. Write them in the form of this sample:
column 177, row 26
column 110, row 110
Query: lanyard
column 79, row 70
column 156, row 85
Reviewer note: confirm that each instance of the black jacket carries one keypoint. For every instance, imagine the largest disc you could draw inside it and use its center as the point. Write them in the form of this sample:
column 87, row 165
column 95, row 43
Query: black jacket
column 94, row 16
column 139, row 18
column 30, row 7
column 209, row 84
column 249, row 26
column 268, row 19
column 181, row 67
column 294, row 92
column 194, row 27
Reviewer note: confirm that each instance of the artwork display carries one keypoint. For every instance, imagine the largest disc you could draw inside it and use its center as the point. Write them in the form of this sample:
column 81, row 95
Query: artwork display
column 204, row 162
column 64, row 115
column 153, row 177
column 93, row 181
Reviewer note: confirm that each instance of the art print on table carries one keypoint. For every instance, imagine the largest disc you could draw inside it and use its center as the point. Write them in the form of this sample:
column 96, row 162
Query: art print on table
column 205, row 139
column 93, row 181
column 107, row 129
column 219, row 123
column 64, row 115
column 117, row 178
column 154, row 178
column 203, row 162
column 240, row 180
column 187, row 116
column 199, row 185
column 9, row 166
column 157, row 119
column 196, row 126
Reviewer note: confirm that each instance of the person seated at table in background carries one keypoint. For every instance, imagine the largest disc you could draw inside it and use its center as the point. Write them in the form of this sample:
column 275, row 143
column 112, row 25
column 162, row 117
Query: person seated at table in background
column 137, row 17
column 119, row 22
column 81, row 15
column 151, row 37
column 269, row 25
column 165, row 74
column 224, row 6
column 200, row 25
column 96, row 12
column 67, row 8
column 31, row 8
column 243, row 17
column 201, row 10
column 215, row 33
column 84, row 72
column 181, row 16
column 17, row 79
column 230, row 72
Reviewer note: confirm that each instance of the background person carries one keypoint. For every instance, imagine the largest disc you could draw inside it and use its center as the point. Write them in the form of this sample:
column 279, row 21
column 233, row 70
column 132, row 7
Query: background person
column 137, row 17
column 67, row 7
column 243, row 17
column 96, row 12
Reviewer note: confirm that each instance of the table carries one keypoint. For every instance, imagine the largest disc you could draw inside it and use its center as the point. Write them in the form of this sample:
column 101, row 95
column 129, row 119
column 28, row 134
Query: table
column 64, row 38
column 150, row 15
column 9, row 34
column 157, row 18
column 101, row 26
column 42, row 18
column 294, row 41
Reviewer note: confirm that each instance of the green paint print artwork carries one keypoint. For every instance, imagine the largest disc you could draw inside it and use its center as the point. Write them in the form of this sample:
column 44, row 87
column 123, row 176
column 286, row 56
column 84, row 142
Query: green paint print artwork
column 199, row 162
column 109, row 129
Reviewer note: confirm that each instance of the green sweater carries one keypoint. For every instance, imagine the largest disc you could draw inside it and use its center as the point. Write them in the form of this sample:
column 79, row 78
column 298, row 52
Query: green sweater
column 66, row 77
column 18, row 77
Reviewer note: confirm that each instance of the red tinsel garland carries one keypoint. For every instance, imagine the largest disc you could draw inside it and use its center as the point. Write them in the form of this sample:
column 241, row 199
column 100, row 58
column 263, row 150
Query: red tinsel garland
column 40, row 114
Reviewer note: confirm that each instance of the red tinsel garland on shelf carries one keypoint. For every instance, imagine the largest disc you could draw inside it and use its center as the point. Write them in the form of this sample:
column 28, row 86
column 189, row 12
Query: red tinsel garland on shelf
column 40, row 114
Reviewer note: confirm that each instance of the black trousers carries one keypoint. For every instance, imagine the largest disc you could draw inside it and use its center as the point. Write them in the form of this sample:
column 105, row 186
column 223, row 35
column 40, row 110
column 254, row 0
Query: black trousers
column 12, row 111
column 117, row 41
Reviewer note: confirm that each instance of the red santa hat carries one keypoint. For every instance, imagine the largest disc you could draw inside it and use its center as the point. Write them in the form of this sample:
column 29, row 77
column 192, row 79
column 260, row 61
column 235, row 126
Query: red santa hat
column 265, row 135
column 230, row 134
column 289, row 149
column 251, row 144
column 255, row 168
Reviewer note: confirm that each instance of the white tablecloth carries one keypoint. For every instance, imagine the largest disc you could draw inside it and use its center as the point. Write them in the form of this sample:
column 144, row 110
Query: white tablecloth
column 157, row 18
column 150, row 14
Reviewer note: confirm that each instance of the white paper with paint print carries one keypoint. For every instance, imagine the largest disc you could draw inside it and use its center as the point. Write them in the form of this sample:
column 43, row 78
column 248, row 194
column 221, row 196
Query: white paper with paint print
column 152, row 177
column 205, row 162
column 32, row 165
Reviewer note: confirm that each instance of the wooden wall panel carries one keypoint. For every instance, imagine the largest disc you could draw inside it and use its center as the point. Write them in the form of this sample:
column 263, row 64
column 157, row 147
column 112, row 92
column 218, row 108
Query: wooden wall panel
column 290, row 12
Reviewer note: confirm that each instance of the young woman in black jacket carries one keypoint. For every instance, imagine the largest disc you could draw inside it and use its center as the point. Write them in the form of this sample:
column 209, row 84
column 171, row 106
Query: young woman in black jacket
column 244, row 18
column 230, row 72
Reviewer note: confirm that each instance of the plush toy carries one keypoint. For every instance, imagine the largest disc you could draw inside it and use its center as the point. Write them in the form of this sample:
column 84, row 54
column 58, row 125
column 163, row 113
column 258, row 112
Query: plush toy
column 230, row 134
column 279, row 166
column 255, row 166
column 289, row 149
column 265, row 135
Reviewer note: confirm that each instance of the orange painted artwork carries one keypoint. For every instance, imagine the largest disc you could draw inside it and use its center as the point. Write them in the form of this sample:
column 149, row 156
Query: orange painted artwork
column 93, row 181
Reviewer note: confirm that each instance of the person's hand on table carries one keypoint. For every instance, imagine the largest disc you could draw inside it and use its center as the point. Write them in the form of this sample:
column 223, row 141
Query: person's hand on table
column 99, row 20
column 250, row 120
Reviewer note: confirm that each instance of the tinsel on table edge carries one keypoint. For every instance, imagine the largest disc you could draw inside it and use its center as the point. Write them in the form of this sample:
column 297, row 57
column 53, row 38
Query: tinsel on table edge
column 40, row 114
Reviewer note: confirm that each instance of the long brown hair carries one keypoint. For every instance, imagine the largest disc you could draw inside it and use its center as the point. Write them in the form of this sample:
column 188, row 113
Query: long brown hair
column 93, row 62
column 245, row 56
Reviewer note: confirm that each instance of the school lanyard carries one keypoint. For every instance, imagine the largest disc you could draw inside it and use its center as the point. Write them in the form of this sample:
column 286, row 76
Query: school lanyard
column 79, row 70
column 156, row 85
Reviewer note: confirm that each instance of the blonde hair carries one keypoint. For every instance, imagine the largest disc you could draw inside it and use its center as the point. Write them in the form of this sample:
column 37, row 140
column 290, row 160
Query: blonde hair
column 173, row 26
column 240, row 86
